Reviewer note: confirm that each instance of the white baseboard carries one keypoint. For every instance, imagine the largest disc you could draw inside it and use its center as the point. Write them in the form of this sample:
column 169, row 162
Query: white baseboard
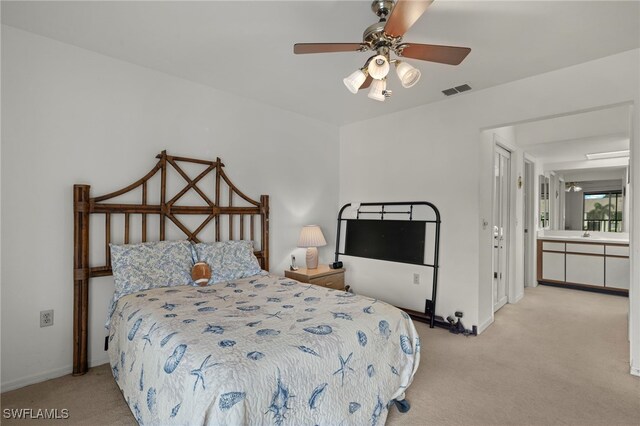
column 635, row 371
column 518, row 298
column 482, row 327
column 36, row 378
column 47, row 375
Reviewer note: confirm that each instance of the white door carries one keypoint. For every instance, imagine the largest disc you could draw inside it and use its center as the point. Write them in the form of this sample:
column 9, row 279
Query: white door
column 502, row 168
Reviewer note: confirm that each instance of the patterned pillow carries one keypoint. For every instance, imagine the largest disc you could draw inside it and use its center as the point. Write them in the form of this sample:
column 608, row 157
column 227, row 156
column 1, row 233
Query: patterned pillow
column 138, row 267
column 229, row 260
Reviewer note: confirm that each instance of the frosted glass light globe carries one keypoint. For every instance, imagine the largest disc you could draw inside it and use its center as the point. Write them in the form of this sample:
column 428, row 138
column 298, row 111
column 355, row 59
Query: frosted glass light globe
column 354, row 81
column 378, row 67
column 377, row 89
column 407, row 74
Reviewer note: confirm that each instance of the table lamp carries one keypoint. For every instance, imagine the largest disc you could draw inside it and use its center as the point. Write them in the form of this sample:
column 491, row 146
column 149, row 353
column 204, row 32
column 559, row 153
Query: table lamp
column 311, row 238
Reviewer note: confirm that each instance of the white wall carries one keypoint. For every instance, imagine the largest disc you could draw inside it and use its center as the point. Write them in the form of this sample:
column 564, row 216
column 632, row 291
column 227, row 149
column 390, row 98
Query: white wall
column 596, row 174
column 435, row 152
column 73, row 116
column 634, row 227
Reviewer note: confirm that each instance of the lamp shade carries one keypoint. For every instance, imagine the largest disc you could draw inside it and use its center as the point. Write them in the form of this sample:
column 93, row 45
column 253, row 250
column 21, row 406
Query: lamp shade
column 378, row 67
column 311, row 236
column 355, row 80
column 407, row 74
column 377, row 89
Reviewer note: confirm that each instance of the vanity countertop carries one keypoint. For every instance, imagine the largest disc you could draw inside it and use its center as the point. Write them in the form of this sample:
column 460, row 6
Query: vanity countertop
column 592, row 239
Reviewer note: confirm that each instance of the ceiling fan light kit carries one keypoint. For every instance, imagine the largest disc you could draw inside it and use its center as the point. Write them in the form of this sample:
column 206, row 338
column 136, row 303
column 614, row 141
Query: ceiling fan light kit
column 378, row 67
column 378, row 90
column 385, row 37
column 355, row 80
column 407, row 74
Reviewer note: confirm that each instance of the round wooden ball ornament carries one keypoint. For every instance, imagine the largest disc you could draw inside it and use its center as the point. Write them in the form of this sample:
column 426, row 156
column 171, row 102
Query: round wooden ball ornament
column 201, row 273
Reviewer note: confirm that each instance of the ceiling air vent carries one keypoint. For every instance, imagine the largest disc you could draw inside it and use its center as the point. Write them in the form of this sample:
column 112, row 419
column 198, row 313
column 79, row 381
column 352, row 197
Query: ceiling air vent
column 456, row 90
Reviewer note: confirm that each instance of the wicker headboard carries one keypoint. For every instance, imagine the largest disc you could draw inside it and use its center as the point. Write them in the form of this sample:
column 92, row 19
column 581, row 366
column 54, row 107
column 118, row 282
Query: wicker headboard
column 213, row 210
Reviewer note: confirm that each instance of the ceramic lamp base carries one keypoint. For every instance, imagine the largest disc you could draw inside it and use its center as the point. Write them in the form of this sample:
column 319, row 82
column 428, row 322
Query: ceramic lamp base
column 312, row 258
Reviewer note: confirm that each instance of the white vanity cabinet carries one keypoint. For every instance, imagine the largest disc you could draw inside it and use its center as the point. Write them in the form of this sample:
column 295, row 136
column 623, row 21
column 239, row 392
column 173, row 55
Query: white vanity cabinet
column 553, row 261
column 582, row 269
column 617, row 267
column 553, row 266
column 585, row 264
column 577, row 263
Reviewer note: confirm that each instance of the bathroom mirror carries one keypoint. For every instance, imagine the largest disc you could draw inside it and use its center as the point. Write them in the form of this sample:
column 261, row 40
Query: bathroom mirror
column 544, row 201
column 595, row 205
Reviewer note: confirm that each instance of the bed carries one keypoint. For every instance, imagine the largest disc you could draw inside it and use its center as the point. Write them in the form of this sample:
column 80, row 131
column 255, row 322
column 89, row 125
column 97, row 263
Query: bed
column 260, row 349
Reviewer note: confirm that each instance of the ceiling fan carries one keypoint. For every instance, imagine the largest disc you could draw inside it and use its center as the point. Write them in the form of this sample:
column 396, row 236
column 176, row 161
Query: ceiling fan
column 385, row 37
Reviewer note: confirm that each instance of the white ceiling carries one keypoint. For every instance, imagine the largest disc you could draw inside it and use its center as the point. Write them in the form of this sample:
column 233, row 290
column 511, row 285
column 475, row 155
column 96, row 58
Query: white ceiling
column 570, row 137
column 246, row 47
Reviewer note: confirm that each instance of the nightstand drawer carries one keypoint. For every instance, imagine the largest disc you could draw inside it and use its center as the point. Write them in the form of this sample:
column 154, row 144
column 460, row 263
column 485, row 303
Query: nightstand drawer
column 321, row 276
column 335, row 281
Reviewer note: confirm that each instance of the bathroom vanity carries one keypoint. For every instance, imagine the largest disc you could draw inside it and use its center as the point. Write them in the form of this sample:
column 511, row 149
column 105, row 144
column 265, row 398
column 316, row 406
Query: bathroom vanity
column 600, row 264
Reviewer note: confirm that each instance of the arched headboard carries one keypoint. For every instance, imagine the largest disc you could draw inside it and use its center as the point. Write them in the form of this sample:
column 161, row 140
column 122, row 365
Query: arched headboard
column 168, row 211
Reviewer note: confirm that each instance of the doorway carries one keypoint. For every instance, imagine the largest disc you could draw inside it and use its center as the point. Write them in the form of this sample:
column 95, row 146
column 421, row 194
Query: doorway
column 501, row 213
column 581, row 148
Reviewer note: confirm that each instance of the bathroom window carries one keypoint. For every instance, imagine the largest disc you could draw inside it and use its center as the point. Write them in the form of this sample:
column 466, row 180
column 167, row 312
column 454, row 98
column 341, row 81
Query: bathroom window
column 602, row 211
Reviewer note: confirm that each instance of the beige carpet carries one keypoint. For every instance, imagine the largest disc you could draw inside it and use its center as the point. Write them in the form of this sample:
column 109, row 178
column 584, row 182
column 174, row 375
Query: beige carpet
column 558, row 357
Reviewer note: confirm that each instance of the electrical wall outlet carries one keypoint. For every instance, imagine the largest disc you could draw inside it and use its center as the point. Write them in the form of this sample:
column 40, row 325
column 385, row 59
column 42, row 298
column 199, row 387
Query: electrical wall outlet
column 46, row 318
column 416, row 279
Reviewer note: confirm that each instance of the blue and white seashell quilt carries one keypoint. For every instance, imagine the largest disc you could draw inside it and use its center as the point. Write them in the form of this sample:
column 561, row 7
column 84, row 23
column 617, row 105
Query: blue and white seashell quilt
column 260, row 350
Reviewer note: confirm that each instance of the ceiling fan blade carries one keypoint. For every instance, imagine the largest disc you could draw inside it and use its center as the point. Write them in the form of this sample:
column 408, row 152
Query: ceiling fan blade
column 366, row 83
column 302, row 48
column 404, row 14
column 450, row 55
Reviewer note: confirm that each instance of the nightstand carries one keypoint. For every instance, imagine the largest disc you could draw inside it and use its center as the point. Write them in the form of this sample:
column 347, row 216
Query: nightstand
column 322, row 276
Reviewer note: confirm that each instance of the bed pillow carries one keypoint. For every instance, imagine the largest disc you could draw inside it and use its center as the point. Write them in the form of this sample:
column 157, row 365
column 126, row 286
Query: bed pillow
column 138, row 267
column 229, row 260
